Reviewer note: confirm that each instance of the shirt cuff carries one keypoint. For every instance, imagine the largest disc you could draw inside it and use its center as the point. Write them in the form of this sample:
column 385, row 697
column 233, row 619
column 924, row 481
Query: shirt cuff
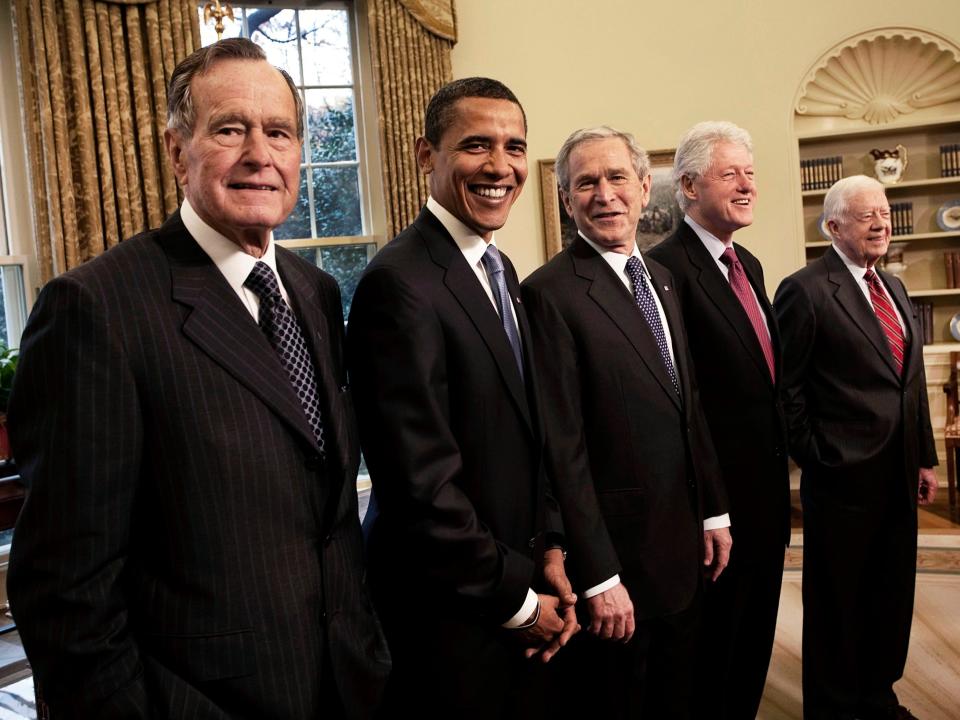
column 526, row 610
column 717, row 522
column 602, row 587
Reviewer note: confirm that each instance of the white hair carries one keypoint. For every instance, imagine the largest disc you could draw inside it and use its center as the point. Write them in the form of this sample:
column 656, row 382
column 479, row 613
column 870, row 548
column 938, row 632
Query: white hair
column 695, row 151
column 838, row 196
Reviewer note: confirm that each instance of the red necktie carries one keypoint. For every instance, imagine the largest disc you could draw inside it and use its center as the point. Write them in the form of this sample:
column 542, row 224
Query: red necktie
column 741, row 288
column 887, row 317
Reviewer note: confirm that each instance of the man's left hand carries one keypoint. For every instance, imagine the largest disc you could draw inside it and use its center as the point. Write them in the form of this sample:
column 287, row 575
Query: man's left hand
column 555, row 574
column 716, row 550
column 928, row 486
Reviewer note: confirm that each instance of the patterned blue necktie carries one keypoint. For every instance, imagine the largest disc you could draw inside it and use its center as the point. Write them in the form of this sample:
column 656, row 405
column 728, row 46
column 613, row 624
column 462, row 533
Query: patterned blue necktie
column 643, row 294
column 494, row 267
column 280, row 326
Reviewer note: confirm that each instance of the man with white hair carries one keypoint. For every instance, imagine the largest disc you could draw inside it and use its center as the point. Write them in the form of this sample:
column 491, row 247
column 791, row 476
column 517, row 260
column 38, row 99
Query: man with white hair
column 856, row 405
column 736, row 353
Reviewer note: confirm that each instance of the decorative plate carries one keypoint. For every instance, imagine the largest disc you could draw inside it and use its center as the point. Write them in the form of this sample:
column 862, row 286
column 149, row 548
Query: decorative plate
column 955, row 327
column 948, row 216
column 824, row 230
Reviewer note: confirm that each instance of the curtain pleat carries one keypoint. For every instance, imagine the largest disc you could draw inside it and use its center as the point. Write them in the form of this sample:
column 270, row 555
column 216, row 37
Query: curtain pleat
column 94, row 75
column 410, row 63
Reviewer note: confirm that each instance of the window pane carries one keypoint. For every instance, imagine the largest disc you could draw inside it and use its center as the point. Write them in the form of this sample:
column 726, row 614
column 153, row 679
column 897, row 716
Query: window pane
column 297, row 225
column 13, row 309
column 326, row 47
column 344, row 262
column 336, row 197
column 330, row 131
column 276, row 32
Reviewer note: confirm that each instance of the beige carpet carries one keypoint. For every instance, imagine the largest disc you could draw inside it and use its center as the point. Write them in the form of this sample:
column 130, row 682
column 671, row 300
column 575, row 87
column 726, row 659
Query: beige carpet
column 931, row 684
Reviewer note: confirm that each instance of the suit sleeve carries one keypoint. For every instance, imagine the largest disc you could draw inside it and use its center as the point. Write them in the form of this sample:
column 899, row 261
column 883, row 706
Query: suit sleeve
column 76, row 434
column 399, row 374
column 589, row 547
column 797, row 320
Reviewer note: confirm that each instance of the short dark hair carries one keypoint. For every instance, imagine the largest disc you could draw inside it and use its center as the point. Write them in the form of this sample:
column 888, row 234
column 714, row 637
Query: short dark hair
column 181, row 114
column 440, row 110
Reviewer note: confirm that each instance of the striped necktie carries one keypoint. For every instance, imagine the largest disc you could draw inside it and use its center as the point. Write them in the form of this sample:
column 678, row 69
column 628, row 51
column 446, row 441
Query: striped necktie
column 887, row 316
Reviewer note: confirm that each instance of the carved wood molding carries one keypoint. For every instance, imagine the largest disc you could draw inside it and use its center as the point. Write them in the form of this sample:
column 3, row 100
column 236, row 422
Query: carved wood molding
column 881, row 74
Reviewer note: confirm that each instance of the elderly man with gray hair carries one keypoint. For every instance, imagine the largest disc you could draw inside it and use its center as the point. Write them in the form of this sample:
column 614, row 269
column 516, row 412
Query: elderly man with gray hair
column 855, row 398
column 628, row 449
column 190, row 546
column 736, row 353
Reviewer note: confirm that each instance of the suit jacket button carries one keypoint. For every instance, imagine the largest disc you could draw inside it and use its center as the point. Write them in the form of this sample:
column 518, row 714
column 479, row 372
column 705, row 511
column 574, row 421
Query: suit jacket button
column 314, row 461
column 327, row 540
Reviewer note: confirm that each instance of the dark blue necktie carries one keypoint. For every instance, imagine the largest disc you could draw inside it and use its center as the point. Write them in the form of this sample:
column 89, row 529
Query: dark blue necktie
column 643, row 294
column 280, row 326
column 494, row 267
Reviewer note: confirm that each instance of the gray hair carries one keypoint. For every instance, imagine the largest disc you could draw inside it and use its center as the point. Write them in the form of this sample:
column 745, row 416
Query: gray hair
column 695, row 151
column 641, row 161
column 181, row 113
column 838, row 196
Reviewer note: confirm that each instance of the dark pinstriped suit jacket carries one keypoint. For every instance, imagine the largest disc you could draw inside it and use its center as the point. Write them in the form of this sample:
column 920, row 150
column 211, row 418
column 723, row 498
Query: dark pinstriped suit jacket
column 184, row 550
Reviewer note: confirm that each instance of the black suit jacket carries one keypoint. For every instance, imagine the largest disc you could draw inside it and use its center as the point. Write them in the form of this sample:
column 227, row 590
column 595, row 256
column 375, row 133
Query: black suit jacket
column 845, row 402
column 449, row 432
column 632, row 464
column 184, row 550
column 740, row 400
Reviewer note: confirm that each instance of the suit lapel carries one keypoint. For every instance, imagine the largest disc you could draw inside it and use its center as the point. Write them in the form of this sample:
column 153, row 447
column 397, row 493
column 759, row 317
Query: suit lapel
column 718, row 290
column 464, row 286
column 607, row 290
column 222, row 328
column 856, row 305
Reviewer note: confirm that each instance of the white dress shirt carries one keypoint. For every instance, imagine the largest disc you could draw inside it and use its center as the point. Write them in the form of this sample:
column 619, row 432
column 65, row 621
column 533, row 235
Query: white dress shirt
column 231, row 261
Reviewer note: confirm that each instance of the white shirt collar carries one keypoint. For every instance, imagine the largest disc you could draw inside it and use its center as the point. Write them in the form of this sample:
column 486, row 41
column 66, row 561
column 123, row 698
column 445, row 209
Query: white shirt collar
column 856, row 270
column 470, row 243
column 231, row 261
column 617, row 261
column 714, row 245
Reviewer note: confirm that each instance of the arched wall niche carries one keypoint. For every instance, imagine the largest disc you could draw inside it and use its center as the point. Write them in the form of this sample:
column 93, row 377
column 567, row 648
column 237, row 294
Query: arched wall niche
column 880, row 78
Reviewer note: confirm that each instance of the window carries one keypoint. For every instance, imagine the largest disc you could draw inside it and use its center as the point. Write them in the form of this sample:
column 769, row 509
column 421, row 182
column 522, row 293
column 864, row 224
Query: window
column 332, row 223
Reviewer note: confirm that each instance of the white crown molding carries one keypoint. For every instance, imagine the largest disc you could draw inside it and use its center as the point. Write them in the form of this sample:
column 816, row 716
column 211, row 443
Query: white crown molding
column 881, row 74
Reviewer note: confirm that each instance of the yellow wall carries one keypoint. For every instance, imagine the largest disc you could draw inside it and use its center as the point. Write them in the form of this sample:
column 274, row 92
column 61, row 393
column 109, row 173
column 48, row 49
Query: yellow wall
column 655, row 68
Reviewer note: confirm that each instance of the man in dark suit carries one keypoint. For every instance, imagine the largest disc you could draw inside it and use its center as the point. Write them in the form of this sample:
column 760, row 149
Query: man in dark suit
column 855, row 398
column 735, row 347
column 190, row 545
column 440, row 358
column 628, row 449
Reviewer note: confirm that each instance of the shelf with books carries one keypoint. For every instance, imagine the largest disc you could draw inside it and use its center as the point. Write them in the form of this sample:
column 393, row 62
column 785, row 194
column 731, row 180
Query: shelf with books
column 905, row 185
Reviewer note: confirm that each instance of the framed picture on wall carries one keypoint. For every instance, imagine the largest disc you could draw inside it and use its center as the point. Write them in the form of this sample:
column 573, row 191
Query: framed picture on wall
column 659, row 220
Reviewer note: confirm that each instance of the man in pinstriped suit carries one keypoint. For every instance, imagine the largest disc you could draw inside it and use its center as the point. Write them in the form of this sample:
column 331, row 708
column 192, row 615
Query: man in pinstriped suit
column 189, row 546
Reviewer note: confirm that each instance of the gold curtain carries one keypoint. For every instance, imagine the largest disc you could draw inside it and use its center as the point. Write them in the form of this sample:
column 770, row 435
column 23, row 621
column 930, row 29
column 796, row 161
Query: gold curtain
column 94, row 75
column 410, row 62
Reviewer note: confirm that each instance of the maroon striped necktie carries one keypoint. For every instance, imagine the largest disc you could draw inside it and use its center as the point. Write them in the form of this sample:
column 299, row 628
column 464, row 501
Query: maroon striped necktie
column 887, row 317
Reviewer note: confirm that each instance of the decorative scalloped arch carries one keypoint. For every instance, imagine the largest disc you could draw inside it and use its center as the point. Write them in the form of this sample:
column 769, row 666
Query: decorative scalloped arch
column 881, row 74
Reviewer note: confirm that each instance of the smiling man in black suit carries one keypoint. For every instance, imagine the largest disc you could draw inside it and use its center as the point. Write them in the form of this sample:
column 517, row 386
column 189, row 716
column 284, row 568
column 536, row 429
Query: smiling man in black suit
column 855, row 397
column 441, row 360
column 190, row 546
column 628, row 449
column 735, row 347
